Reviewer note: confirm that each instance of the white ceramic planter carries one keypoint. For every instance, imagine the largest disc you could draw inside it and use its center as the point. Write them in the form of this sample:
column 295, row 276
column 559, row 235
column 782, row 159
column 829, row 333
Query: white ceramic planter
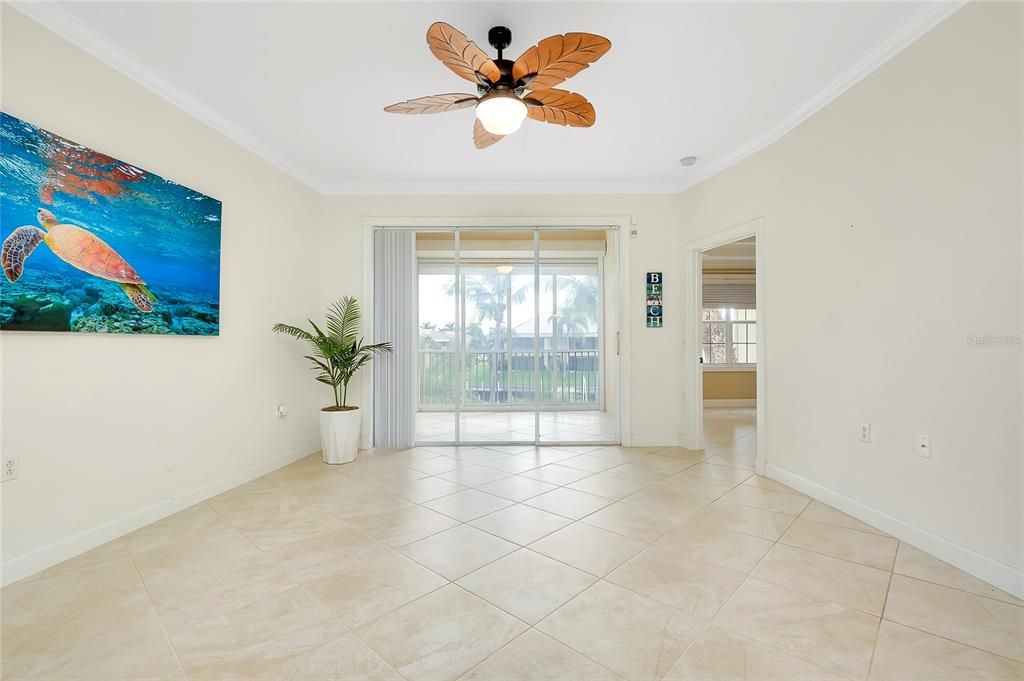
column 339, row 435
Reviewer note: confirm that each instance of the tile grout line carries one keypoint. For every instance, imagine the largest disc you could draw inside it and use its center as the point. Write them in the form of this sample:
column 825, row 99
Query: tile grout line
column 454, row 582
column 1001, row 656
column 953, row 588
column 344, row 626
column 567, row 645
column 881, row 616
column 598, row 578
column 601, row 579
column 302, row 586
column 159, row 617
column 263, row 553
column 746, row 578
column 828, row 555
column 725, row 604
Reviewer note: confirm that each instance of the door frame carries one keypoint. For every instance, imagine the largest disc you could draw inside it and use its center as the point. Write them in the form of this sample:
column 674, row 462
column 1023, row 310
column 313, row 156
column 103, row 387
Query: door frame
column 619, row 224
column 693, row 376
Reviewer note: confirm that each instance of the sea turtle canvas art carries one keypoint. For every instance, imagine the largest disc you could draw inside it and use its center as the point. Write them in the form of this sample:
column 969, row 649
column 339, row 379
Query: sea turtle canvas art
column 89, row 243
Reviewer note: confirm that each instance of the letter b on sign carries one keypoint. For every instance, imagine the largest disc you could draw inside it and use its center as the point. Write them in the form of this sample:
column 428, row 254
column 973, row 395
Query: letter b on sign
column 654, row 277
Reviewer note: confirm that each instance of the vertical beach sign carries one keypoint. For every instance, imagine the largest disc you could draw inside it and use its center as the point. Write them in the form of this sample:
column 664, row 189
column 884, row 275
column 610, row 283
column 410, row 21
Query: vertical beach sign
column 655, row 287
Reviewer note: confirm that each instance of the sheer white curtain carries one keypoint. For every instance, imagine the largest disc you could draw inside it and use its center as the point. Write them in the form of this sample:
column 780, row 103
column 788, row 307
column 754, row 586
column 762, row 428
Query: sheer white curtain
column 394, row 319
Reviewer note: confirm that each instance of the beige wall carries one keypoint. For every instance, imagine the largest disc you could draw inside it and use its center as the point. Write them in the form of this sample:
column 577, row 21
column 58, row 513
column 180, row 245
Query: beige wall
column 730, row 385
column 893, row 232
column 115, row 431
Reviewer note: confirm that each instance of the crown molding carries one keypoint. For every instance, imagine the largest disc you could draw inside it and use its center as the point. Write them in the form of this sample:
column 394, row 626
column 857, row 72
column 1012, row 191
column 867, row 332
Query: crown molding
column 80, row 34
column 71, row 28
column 915, row 27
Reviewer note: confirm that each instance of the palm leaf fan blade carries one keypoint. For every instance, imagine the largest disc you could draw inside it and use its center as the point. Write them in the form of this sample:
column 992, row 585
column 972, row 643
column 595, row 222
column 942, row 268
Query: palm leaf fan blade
column 433, row 104
column 561, row 108
column 460, row 54
column 559, row 57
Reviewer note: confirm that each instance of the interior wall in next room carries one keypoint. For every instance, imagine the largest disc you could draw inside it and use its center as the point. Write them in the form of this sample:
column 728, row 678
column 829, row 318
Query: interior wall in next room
column 730, row 385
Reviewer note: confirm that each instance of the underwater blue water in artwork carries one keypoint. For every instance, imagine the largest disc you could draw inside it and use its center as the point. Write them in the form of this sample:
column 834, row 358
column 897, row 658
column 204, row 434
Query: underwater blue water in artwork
column 167, row 233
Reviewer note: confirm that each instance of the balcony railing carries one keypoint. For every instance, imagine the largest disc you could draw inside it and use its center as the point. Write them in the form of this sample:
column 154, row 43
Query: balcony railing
column 567, row 378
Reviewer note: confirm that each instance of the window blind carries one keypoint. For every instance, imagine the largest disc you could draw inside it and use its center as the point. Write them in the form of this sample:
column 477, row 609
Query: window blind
column 729, row 290
column 394, row 319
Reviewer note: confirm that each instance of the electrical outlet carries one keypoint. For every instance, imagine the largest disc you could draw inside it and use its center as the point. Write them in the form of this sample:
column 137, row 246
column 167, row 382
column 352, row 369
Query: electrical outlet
column 924, row 446
column 865, row 432
column 10, row 471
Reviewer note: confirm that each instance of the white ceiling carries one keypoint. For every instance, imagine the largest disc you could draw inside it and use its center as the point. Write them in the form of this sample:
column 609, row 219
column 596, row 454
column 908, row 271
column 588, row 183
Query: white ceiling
column 303, row 85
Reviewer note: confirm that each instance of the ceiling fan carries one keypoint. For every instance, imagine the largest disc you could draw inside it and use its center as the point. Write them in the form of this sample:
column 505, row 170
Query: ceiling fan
column 509, row 92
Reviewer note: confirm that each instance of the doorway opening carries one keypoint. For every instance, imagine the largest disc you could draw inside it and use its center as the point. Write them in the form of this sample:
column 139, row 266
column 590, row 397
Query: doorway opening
column 728, row 356
column 516, row 336
column 727, row 343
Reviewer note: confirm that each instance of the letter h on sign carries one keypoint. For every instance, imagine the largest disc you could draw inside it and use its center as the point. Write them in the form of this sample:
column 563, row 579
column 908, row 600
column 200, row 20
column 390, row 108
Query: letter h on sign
column 655, row 281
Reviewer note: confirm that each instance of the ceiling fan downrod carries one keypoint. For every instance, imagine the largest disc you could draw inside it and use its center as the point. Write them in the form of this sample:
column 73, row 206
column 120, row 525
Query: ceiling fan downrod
column 500, row 37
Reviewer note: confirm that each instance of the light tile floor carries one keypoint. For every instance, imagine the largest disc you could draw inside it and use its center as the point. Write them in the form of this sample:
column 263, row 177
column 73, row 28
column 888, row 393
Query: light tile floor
column 517, row 426
column 510, row 565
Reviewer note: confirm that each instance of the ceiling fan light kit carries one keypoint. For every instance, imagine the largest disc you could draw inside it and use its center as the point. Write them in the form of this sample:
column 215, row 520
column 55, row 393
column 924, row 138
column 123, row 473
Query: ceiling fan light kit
column 510, row 92
column 500, row 112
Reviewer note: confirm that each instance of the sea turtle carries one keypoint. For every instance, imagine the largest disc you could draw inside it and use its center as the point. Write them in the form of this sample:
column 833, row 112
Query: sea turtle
column 77, row 247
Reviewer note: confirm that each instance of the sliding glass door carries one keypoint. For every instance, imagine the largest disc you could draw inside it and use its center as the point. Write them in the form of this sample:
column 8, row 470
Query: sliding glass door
column 437, row 345
column 511, row 338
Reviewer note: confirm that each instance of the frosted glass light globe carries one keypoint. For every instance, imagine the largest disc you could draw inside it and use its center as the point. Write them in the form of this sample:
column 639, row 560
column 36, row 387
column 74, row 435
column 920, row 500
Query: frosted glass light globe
column 501, row 113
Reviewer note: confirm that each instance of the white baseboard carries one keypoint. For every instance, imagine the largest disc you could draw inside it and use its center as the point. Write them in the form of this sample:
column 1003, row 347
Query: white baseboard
column 1005, row 577
column 69, row 547
column 730, row 403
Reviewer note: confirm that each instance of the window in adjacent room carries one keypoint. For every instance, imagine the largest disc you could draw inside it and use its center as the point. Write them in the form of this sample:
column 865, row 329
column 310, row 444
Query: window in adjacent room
column 730, row 336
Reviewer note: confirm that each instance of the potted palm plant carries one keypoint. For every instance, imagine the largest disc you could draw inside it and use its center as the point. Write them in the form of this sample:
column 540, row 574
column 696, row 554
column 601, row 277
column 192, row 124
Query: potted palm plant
column 337, row 354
